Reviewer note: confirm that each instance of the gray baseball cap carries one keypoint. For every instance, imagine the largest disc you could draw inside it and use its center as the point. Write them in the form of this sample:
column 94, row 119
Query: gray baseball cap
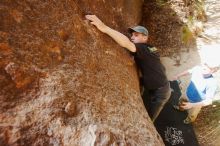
column 139, row 29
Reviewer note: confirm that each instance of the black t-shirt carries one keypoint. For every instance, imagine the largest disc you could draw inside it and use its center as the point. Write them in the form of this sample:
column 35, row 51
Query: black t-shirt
column 148, row 61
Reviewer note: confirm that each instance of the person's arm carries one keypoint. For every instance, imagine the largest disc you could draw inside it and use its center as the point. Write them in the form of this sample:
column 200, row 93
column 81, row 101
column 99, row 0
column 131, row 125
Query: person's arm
column 189, row 105
column 120, row 38
column 184, row 73
column 210, row 92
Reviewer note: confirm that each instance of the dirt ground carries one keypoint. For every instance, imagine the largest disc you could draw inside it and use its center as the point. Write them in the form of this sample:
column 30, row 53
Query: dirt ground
column 207, row 125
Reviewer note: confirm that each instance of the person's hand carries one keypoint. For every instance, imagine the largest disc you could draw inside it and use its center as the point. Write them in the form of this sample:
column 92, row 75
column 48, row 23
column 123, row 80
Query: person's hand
column 97, row 22
column 186, row 105
column 174, row 78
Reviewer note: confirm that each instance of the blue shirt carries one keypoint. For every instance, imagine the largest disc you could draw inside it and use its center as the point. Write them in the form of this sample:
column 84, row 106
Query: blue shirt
column 200, row 87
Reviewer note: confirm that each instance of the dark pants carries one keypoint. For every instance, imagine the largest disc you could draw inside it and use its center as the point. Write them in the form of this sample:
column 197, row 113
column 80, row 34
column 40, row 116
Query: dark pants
column 154, row 100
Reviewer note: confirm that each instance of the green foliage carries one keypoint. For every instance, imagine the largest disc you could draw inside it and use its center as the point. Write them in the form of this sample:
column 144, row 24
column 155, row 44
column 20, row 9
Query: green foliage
column 190, row 20
column 186, row 35
column 198, row 14
column 161, row 2
column 198, row 10
column 173, row 13
column 199, row 7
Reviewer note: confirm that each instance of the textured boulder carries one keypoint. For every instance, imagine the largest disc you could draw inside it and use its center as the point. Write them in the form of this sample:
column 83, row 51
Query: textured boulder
column 65, row 83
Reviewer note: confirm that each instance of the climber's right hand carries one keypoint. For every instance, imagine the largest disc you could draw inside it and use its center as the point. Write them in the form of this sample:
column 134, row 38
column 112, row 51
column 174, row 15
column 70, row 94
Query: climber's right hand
column 94, row 20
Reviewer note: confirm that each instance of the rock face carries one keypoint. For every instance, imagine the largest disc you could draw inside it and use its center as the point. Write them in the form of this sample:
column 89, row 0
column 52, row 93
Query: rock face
column 65, row 83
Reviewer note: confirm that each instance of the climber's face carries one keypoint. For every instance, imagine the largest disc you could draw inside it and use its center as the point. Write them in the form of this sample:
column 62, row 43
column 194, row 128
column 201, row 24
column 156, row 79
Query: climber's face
column 137, row 37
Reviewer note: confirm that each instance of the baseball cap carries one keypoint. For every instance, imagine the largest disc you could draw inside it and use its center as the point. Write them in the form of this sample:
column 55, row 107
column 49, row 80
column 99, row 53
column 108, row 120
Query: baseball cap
column 139, row 29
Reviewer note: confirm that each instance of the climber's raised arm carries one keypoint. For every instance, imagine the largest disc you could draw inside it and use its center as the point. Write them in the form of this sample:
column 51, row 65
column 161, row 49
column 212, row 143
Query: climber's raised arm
column 120, row 38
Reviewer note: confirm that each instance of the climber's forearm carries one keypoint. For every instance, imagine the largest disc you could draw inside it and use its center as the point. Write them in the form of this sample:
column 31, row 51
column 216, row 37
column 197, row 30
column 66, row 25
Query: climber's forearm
column 120, row 38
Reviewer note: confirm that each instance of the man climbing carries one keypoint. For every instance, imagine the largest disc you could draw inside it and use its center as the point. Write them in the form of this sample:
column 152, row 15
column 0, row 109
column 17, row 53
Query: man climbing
column 156, row 85
column 200, row 90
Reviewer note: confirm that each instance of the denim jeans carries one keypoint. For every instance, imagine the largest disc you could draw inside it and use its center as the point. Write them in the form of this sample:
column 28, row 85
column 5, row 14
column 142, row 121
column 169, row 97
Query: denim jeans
column 154, row 100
